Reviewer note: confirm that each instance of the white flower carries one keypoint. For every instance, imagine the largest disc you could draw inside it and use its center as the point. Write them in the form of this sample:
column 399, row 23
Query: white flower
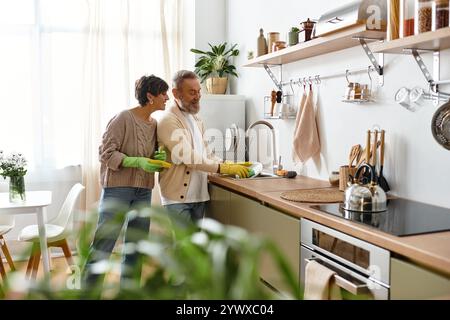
column 13, row 165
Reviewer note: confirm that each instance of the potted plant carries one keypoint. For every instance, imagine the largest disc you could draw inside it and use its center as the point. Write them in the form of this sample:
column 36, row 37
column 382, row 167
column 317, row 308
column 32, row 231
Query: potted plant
column 214, row 67
column 293, row 36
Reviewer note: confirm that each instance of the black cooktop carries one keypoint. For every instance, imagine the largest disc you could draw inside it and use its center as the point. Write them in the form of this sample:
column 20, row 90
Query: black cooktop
column 402, row 218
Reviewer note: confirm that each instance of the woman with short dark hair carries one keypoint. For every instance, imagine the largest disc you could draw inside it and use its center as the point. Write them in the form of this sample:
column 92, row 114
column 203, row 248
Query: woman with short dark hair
column 127, row 176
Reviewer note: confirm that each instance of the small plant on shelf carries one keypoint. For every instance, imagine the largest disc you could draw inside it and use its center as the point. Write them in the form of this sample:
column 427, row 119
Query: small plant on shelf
column 293, row 36
column 214, row 66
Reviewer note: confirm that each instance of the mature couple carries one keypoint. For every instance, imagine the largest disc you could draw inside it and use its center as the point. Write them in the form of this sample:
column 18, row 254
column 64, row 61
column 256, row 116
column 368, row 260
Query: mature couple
column 127, row 176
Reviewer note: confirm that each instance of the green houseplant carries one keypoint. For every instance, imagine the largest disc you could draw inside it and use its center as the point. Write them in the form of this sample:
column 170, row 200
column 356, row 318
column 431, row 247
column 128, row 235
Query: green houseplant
column 214, row 66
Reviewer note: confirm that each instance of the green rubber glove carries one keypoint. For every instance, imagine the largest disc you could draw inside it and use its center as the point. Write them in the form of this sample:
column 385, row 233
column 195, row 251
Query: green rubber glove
column 234, row 170
column 160, row 154
column 142, row 163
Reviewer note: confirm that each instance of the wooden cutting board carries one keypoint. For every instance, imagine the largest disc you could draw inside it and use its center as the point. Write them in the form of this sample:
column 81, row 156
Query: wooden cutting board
column 322, row 195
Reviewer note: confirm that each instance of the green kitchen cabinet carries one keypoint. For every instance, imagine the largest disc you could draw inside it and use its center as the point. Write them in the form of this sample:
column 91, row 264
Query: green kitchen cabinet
column 284, row 230
column 219, row 206
column 233, row 209
column 410, row 282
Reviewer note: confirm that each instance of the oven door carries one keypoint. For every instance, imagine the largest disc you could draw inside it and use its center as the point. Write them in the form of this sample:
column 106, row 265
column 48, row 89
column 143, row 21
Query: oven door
column 352, row 284
column 366, row 258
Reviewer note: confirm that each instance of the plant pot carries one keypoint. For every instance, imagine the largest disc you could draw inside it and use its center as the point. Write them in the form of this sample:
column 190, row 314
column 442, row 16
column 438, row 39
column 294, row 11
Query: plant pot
column 216, row 85
column 293, row 38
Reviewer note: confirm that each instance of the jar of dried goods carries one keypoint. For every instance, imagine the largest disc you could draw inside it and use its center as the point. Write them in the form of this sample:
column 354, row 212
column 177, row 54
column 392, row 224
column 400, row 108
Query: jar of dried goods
column 393, row 27
column 440, row 14
column 407, row 12
column 424, row 16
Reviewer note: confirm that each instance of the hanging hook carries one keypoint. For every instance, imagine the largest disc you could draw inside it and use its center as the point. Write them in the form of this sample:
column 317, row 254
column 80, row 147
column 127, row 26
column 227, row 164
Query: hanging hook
column 310, row 83
column 292, row 89
column 368, row 72
column 299, row 82
column 346, row 75
column 318, row 79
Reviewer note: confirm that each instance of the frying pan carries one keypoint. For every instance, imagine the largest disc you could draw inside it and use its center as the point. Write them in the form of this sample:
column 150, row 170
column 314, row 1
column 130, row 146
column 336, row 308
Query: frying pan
column 440, row 125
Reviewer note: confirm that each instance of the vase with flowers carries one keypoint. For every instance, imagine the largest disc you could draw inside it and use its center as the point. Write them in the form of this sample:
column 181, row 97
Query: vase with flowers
column 13, row 167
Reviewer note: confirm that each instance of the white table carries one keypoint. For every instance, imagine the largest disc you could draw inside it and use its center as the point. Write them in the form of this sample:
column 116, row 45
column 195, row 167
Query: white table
column 36, row 202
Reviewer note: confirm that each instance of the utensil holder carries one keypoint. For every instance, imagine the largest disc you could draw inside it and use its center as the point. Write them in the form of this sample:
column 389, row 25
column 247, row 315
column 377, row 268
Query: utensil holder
column 344, row 174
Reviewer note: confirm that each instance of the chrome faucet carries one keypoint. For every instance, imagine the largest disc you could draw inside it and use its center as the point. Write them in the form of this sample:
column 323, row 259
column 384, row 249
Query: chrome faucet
column 274, row 148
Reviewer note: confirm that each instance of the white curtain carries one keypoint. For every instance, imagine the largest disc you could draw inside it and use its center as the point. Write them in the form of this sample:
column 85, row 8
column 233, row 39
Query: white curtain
column 67, row 66
column 126, row 39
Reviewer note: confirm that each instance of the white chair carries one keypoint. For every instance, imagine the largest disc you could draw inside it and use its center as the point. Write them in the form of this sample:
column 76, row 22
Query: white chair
column 57, row 230
column 6, row 225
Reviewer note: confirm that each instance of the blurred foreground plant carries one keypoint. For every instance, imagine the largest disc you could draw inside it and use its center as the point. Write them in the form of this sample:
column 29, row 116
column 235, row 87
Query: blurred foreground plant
column 186, row 261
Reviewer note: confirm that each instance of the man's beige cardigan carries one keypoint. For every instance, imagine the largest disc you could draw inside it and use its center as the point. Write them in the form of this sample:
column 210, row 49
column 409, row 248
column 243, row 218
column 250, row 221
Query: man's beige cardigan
column 173, row 132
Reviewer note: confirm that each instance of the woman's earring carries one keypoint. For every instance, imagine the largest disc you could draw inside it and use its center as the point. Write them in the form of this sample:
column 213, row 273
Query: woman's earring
column 150, row 101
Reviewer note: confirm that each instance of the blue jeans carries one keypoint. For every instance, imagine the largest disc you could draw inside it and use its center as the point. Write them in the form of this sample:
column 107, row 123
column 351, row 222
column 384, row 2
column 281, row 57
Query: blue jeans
column 114, row 204
column 191, row 211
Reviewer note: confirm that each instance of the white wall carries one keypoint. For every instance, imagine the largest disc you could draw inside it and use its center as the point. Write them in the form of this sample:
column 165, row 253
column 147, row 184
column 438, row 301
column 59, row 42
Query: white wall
column 210, row 22
column 416, row 166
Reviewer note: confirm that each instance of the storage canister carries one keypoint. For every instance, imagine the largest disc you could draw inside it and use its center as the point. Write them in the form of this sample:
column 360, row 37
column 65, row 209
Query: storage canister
column 424, row 16
column 440, row 14
column 407, row 13
column 271, row 38
column 393, row 28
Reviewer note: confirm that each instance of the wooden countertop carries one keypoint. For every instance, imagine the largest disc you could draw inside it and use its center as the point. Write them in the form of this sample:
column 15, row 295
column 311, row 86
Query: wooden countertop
column 430, row 250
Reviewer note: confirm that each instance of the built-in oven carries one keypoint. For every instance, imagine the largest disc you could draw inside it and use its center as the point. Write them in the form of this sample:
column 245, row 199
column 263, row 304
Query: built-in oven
column 361, row 269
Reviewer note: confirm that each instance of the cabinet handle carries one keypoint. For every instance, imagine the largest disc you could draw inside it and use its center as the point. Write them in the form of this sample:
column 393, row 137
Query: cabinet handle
column 343, row 283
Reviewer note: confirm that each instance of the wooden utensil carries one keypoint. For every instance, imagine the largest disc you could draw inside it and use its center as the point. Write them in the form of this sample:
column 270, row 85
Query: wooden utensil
column 363, row 153
column 273, row 97
column 381, row 179
column 373, row 160
column 354, row 152
column 366, row 173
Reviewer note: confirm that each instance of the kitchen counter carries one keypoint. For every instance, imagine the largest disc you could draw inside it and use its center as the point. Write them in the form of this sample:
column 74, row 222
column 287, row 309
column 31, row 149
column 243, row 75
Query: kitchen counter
column 430, row 250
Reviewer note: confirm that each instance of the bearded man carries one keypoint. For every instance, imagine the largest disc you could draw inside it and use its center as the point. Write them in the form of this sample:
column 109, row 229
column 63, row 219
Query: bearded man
column 184, row 187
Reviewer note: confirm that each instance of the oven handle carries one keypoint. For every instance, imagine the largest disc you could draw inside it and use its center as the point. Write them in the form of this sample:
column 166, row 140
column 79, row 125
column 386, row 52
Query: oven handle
column 343, row 283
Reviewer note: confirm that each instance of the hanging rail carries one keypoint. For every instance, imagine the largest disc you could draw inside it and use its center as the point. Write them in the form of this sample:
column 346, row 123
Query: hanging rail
column 318, row 78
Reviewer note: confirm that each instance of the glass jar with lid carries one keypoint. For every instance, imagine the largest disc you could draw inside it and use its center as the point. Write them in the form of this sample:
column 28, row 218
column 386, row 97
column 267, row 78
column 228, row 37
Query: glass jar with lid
column 407, row 13
column 424, row 16
column 271, row 38
column 440, row 14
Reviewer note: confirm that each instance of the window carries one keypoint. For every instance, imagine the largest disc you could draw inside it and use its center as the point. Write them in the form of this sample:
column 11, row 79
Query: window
column 52, row 50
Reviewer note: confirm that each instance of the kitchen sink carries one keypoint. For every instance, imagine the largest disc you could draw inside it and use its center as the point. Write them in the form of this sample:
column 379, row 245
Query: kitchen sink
column 263, row 175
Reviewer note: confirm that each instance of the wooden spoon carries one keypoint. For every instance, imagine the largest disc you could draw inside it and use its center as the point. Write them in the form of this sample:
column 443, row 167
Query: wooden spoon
column 354, row 152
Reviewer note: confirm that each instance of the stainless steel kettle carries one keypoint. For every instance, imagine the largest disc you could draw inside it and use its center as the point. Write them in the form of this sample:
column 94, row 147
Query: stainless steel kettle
column 366, row 198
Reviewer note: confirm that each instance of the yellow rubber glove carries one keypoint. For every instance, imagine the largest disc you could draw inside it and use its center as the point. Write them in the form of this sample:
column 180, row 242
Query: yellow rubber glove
column 142, row 163
column 164, row 164
column 241, row 163
column 234, row 170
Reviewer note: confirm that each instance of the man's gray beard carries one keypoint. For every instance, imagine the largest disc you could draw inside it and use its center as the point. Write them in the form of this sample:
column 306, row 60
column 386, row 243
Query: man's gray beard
column 188, row 107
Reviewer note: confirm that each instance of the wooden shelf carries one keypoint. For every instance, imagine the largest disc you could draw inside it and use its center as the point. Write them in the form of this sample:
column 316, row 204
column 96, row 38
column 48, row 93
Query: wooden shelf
column 433, row 40
column 326, row 44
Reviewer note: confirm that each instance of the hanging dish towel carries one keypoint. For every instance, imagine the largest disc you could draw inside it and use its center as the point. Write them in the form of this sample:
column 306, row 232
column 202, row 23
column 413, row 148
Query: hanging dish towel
column 306, row 138
column 320, row 284
column 297, row 124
